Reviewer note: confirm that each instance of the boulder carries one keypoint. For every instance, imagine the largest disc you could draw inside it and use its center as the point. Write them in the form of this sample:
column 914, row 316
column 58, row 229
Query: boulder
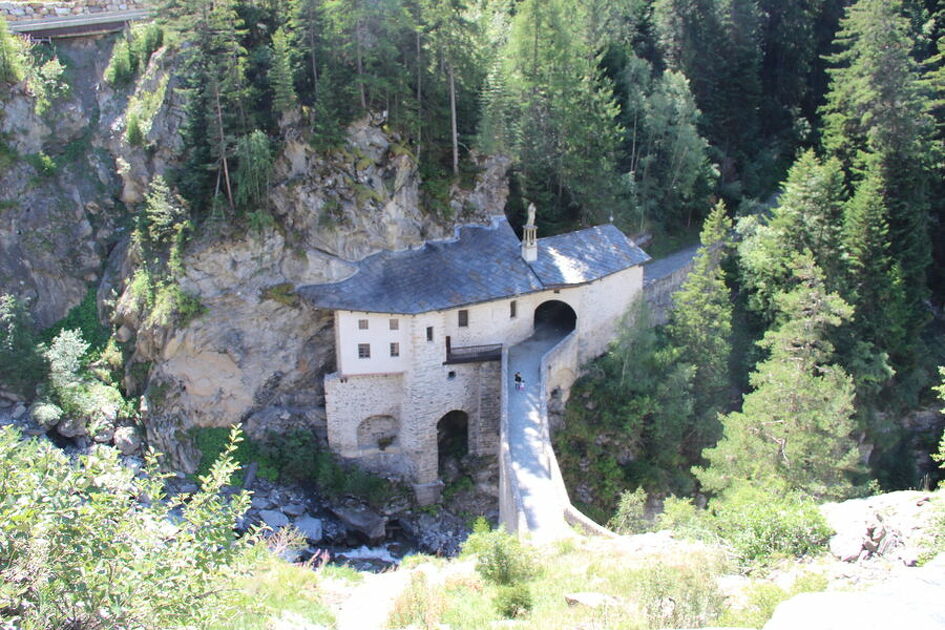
column 294, row 509
column 72, row 427
column 363, row 519
column 310, row 527
column 127, row 440
column 274, row 518
column 912, row 599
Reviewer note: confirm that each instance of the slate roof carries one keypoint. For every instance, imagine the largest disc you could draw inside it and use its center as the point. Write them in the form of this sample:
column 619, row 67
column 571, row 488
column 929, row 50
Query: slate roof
column 585, row 255
column 480, row 264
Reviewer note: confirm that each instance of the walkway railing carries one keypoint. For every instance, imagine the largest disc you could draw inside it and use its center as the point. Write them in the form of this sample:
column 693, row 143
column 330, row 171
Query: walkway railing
column 471, row 354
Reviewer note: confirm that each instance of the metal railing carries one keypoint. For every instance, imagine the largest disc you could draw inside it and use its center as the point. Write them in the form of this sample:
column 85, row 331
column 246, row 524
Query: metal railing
column 472, row 354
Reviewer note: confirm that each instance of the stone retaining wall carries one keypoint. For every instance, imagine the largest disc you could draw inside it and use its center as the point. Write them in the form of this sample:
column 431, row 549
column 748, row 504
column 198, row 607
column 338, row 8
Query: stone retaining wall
column 29, row 11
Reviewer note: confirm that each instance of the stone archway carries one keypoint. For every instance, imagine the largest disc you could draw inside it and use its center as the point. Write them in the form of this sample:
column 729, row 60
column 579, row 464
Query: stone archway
column 378, row 432
column 555, row 316
column 452, row 439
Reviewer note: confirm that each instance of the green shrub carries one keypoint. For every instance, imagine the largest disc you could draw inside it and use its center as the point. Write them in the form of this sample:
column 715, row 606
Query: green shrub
column 212, row 441
column 11, row 55
column 513, row 601
column 172, row 306
column 22, row 364
column 83, row 317
column 283, row 293
column 683, row 596
column 501, row 558
column 420, row 605
column 46, row 414
column 44, row 165
column 121, row 66
column 79, row 552
column 763, row 598
column 759, row 525
column 631, row 514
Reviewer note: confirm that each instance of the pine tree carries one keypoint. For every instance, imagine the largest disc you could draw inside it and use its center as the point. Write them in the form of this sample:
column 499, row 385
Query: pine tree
column 877, row 119
column 793, row 432
column 701, row 326
column 281, row 73
column 808, row 217
column 252, row 173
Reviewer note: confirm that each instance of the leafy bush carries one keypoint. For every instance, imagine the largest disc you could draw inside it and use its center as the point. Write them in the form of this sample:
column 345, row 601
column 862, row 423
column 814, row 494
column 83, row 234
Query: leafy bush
column 419, row 606
column 501, row 558
column 172, row 306
column 514, row 600
column 631, row 514
column 44, row 165
column 680, row 596
column 213, row 441
column 121, row 66
column 11, row 62
column 22, row 364
column 46, row 414
column 77, row 550
column 83, row 318
column 759, row 524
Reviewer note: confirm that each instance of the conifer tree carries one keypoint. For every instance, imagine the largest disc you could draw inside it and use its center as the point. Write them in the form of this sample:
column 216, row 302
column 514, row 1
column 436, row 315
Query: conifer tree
column 808, row 217
column 701, row 326
column 877, row 120
column 281, row 73
column 793, row 432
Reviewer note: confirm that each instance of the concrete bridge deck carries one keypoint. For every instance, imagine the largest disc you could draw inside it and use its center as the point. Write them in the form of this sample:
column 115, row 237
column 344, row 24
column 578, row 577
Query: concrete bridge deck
column 82, row 25
column 531, row 455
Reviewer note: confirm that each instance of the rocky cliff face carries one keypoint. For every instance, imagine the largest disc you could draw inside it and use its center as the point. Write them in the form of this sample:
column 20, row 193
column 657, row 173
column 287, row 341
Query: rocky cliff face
column 58, row 223
column 256, row 355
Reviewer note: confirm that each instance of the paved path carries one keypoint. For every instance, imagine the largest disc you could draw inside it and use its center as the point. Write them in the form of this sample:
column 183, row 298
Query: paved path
column 663, row 267
column 544, row 512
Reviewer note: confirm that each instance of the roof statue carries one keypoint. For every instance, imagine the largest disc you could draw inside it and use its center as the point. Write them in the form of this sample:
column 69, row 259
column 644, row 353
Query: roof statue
column 531, row 214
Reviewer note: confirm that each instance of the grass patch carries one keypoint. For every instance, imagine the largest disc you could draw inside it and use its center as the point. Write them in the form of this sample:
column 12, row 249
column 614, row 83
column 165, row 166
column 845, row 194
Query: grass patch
column 275, row 591
column 283, row 293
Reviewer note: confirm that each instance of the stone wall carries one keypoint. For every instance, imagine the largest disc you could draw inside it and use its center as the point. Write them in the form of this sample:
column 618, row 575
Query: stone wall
column 27, row 11
column 661, row 279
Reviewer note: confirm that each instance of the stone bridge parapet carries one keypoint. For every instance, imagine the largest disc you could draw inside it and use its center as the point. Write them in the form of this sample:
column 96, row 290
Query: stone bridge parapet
column 33, row 11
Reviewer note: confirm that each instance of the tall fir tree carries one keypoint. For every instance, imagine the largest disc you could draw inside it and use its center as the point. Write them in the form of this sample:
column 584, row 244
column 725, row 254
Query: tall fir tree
column 877, row 119
column 701, row 327
column 281, row 73
column 793, row 432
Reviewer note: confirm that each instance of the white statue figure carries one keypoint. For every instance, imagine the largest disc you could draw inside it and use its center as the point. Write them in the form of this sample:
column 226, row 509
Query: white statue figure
column 531, row 214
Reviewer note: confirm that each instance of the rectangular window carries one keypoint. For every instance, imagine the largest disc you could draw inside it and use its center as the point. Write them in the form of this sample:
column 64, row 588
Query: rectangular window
column 362, row 324
column 463, row 319
column 395, row 324
column 364, row 351
column 394, row 349
column 513, row 306
column 429, row 333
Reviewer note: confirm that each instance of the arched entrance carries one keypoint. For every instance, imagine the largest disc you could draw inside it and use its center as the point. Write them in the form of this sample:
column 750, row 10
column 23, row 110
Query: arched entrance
column 554, row 317
column 452, row 439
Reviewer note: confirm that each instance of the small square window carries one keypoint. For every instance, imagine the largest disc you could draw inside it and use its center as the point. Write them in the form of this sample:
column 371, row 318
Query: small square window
column 395, row 324
column 362, row 324
column 463, row 319
column 451, row 375
column 513, row 309
column 364, row 351
column 429, row 333
column 395, row 349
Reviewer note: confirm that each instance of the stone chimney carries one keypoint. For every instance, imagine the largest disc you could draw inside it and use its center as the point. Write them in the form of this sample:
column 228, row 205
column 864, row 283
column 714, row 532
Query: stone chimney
column 530, row 237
